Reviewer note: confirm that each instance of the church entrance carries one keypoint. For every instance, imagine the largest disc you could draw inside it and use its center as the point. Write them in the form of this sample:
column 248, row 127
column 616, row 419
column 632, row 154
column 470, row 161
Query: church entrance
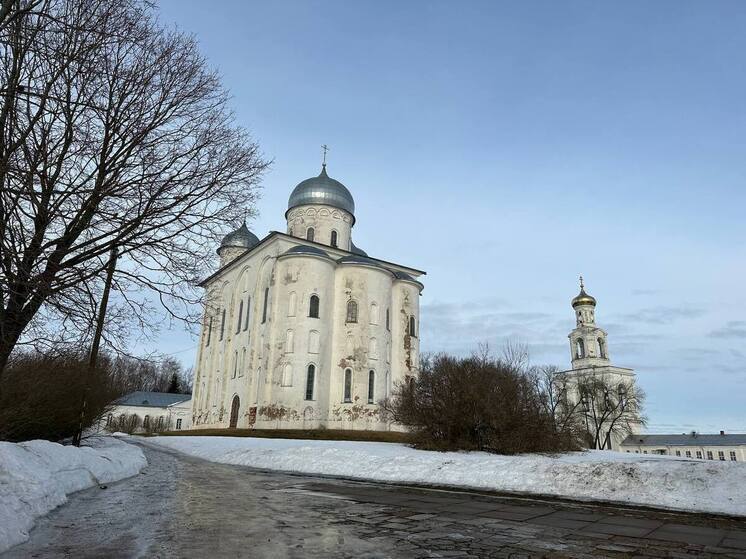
column 234, row 412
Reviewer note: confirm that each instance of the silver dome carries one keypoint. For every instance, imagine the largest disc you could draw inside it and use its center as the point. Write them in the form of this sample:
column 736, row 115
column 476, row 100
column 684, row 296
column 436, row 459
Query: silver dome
column 322, row 190
column 240, row 238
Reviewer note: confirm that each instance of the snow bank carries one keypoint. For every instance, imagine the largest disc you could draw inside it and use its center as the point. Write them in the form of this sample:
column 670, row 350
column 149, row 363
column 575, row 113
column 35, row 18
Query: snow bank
column 656, row 481
column 36, row 476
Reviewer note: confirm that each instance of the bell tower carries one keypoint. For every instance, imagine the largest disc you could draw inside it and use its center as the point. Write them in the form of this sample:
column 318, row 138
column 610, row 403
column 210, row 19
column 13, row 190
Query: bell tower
column 588, row 347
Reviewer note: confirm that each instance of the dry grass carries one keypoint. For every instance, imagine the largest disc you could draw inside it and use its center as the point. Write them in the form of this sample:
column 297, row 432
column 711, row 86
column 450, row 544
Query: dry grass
column 316, row 435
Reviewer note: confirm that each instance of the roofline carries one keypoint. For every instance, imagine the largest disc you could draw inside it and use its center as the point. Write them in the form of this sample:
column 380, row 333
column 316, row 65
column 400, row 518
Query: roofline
column 326, row 248
column 595, row 368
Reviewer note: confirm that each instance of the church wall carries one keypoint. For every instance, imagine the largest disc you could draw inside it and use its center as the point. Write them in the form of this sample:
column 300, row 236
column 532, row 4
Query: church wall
column 299, row 340
column 405, row 347
column 359, row 346
column 324, row 220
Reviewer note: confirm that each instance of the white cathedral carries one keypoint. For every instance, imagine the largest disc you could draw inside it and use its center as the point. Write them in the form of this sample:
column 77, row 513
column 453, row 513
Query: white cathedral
column 304, row 330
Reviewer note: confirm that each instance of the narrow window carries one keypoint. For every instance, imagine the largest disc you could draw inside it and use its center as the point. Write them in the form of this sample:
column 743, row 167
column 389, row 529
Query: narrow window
column 235, row 365
column 209, row 331
column 289, row 341
column 264, row 309
column 178, row 424
column 309, row 234
column 222, row 324
column 721, row 455
column 334, row 239
column 240, row 317
column 373, row 313
column 310, row 377
column 313, row 307
column 579, row 349
column 146, row 422
column 412, row 330
column 246, row 318
column 688, row 453
column 348, row 385
column 287, row 375
column 388, row 320
column 709, row 455
column 351, row 311
column 733, row 456
column 387, row 389
column 601, row 348
column 678, row 453
column 241, row 368
column 291, row 303
column 313, row 341
column 699, row 454
column 371, row 385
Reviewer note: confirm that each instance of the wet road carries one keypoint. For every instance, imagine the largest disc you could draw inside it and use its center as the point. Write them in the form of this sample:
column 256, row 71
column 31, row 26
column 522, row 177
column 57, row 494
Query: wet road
column 185, row 507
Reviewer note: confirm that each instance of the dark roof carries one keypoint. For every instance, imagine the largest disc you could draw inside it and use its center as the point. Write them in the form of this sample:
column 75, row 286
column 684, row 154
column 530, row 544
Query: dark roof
column 273, row 234
column 305, row 250
column 686, row 440
column 357, row 250
column 153, row 399
column 357, row 259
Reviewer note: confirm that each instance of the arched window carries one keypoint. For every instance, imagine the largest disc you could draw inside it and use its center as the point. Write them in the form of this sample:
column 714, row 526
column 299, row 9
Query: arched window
column 412, row 329
column 622, row 392
column 334, row 239
column 373, row 313
column 310, row 378
column 266, row 302
column 291, row 304
column 371, row 385
column 309, row 234
column 240, row 316
column 601, row 348
column 348, row 385
column 289, row 341
column 351, row 311
column 246, row 317
column 146, row 422
column 313, row 341
column 388, row 319
column 373, row 349
column 579, row 349
column 287, row 375
column 313, row 306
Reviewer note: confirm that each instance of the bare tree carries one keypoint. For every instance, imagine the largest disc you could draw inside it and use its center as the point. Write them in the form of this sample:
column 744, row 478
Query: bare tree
column 114, row 133
column 609, row 408
column 555, row 399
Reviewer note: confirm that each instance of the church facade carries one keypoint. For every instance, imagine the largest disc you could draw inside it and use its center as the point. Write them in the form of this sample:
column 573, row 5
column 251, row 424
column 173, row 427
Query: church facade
column 589, row 357
column 302, row 329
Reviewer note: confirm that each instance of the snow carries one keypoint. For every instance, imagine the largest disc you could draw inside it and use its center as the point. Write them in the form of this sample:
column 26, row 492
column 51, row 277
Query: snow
column 37, row 476
column 635, row 479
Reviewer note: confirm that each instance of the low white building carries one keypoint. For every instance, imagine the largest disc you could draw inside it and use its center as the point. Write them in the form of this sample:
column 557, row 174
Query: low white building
column 726, row 448
column 154, row 411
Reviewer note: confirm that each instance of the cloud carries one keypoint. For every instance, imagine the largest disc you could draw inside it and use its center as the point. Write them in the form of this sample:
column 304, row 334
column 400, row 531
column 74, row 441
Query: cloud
column 733, row 329
column 662, row 315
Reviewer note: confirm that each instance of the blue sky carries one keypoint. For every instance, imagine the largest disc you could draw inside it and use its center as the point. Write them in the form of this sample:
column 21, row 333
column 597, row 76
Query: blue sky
column 508, row 147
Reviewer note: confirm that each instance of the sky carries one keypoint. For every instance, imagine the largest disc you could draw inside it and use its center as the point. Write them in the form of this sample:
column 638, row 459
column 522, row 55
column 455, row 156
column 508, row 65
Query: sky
column 508, row 147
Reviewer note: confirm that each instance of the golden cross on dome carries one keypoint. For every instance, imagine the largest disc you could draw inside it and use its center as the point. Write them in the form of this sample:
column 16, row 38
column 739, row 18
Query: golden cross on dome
column 324, row 148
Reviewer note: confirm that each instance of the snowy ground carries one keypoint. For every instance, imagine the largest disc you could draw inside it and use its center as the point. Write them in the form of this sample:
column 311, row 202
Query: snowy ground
column 656, row 481
column 36, row 476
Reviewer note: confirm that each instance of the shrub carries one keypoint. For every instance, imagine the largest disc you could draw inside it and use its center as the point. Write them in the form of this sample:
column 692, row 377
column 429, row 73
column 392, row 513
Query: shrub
column 476, row 403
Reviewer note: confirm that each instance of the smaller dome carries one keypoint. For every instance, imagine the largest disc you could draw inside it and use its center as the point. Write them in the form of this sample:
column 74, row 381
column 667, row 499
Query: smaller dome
column 356, row 250
column 583, row 298
column 240, row 238
column 301, row 250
